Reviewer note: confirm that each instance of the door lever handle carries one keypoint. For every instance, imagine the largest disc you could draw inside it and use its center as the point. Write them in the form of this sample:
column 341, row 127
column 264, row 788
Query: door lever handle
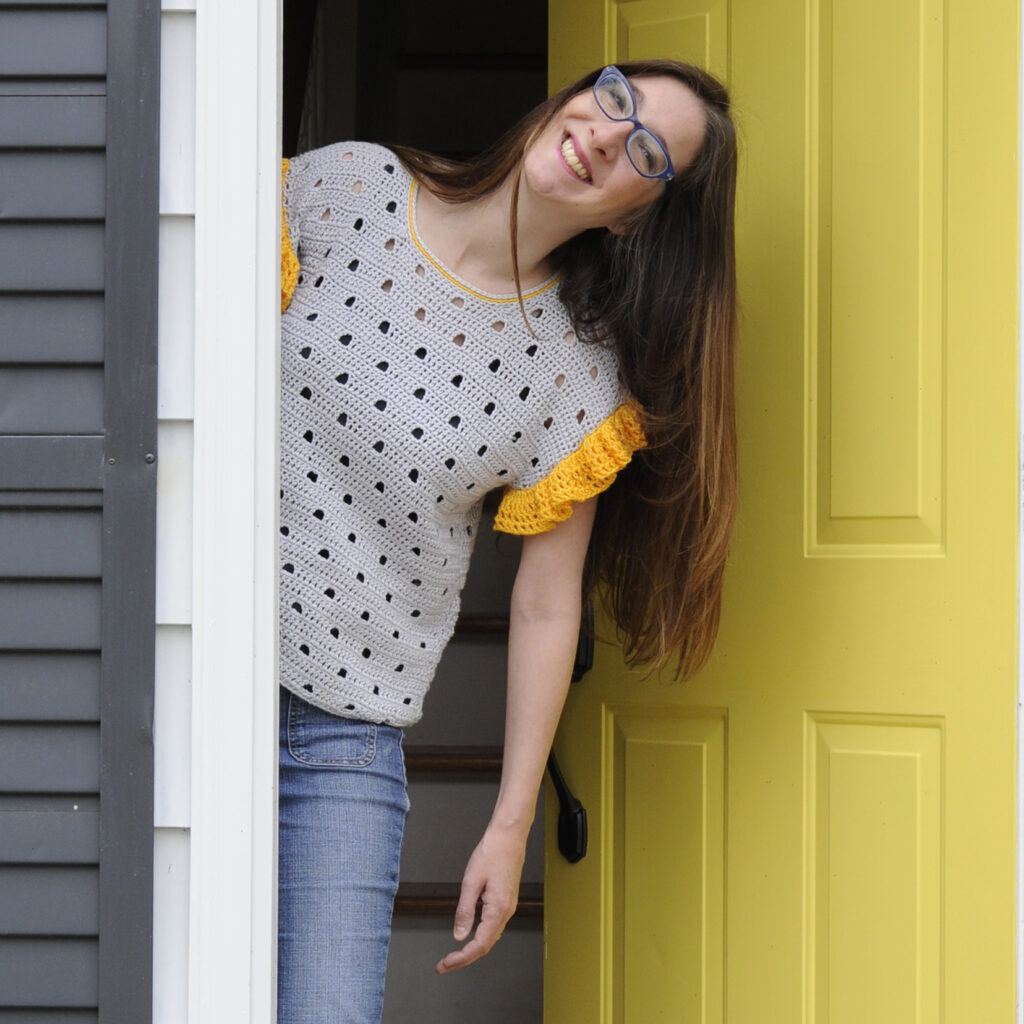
column 572, row 816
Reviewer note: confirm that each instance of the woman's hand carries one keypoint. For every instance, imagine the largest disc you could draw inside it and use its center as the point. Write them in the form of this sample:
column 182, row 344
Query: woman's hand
column 492, row 876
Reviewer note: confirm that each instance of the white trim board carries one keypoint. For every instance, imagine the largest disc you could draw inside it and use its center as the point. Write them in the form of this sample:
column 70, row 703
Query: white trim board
column 232, row 892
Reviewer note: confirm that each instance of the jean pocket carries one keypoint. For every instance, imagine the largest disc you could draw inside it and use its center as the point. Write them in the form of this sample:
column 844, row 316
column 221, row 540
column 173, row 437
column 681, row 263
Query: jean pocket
column 322, row 740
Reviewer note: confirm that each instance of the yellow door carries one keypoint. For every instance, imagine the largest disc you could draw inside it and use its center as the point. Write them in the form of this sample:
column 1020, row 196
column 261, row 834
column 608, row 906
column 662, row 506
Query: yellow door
column 820, row 828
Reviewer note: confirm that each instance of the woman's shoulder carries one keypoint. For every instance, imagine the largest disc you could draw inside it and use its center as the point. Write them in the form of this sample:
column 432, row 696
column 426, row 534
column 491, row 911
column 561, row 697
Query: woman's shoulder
column 347, row 157
column 341, row 176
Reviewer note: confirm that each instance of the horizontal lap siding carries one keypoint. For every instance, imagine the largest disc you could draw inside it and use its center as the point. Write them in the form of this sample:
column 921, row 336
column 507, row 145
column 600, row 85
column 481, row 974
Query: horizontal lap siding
column 77, row 503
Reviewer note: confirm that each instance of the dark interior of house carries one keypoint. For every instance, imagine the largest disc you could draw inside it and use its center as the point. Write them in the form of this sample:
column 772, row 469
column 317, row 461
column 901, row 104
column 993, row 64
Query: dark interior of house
column 448, row 76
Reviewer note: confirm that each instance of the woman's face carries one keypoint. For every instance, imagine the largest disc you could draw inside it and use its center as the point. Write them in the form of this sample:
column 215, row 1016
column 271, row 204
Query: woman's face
column 579, row 160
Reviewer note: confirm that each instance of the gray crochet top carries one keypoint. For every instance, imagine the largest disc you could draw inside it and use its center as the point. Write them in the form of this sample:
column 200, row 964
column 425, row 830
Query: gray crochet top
column 406, row 396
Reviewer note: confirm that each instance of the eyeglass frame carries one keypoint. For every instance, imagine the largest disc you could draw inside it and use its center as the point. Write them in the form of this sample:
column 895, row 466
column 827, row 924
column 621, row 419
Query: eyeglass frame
column 666, row 175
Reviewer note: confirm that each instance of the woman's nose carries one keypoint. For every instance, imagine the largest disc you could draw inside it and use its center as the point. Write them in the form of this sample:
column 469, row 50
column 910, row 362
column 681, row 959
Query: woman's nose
column 610, row 136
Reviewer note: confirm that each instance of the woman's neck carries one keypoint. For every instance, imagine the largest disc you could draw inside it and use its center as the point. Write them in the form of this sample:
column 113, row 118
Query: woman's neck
column 472, row 238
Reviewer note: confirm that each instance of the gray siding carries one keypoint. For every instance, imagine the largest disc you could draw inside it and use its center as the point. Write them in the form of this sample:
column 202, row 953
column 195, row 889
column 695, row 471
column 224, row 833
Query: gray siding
column 77, row 422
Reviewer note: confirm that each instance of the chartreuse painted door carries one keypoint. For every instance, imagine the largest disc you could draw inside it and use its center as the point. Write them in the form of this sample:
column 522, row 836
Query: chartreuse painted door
column 820, row 827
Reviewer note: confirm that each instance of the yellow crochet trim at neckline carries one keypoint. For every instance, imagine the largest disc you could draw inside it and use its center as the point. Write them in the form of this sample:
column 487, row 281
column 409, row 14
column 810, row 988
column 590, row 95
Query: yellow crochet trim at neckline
column 585, row 472
column 289, row 261
column 457, row 281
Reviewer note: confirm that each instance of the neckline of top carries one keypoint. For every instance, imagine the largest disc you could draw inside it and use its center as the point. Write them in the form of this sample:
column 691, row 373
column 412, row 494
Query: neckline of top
column 465, row 286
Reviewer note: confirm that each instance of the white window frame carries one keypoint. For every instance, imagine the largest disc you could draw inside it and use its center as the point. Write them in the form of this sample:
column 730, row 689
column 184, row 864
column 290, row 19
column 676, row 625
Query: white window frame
column 232, row 898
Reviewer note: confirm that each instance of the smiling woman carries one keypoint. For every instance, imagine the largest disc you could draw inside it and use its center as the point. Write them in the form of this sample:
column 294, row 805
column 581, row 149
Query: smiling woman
column 549, row 316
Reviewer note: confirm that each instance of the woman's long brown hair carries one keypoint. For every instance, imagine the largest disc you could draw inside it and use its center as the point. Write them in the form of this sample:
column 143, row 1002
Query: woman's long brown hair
column 663, row 293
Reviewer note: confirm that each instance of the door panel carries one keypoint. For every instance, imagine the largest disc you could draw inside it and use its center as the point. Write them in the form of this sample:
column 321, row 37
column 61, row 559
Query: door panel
column 875, row 206
column 664, row 771
column 820, row 826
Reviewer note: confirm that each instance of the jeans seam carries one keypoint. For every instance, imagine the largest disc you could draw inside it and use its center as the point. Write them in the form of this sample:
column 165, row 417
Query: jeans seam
column 405, row 770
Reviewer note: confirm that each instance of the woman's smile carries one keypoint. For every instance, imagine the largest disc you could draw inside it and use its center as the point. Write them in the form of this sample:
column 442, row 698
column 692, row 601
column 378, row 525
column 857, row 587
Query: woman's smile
column 575, row 161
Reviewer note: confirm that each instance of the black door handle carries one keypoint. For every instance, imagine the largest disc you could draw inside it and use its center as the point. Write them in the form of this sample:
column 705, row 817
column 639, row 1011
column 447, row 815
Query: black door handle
column 572, row 817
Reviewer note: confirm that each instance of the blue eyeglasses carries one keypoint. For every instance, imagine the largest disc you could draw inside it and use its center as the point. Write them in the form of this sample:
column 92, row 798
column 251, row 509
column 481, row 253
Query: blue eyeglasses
column 646, row 152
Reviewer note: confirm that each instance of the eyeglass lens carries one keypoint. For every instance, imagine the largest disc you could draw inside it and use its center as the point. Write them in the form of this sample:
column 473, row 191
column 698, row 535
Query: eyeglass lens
column 643, row 147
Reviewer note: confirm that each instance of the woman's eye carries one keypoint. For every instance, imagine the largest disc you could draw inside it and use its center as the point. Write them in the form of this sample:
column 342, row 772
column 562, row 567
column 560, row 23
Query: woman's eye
column 648, row 156
column 621, row 100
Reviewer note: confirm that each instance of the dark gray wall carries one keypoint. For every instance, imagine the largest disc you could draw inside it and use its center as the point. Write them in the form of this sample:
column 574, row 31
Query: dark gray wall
column 78, row 250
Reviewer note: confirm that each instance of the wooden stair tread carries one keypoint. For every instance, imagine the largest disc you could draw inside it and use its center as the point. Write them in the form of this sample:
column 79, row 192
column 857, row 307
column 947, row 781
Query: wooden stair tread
column 425, row 758
column 428, row 899
column 493, row 626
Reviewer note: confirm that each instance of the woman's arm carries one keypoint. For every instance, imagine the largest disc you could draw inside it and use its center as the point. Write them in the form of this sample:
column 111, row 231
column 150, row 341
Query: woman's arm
column 543, row 631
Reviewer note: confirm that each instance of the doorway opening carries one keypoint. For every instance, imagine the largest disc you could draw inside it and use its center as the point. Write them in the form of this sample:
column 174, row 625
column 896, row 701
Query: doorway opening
column 436, row 75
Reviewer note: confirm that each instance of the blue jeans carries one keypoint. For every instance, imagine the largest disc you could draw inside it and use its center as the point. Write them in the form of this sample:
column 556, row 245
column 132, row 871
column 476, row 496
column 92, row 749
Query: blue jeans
column 342, row 810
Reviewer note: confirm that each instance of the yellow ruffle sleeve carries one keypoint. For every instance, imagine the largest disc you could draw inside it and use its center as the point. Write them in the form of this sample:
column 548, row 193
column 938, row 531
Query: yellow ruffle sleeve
column 289, row 261
column 580, row 475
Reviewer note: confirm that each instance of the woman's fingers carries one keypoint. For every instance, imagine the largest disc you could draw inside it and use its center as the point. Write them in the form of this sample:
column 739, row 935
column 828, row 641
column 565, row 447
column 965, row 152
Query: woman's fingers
column 495, row 915
column 465, row 913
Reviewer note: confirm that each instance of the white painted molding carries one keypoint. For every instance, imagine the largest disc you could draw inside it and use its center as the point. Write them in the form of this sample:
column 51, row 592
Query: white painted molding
column 234, row 691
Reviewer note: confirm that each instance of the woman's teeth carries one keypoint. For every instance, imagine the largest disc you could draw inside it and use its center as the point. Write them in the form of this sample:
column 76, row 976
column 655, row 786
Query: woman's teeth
column 574, row 161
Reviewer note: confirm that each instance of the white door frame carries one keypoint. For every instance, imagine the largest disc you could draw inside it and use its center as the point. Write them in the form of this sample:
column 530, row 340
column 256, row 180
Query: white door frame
column 232, row 899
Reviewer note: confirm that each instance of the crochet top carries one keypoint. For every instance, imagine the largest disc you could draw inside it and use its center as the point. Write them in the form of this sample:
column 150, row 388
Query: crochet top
column 407, row 395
